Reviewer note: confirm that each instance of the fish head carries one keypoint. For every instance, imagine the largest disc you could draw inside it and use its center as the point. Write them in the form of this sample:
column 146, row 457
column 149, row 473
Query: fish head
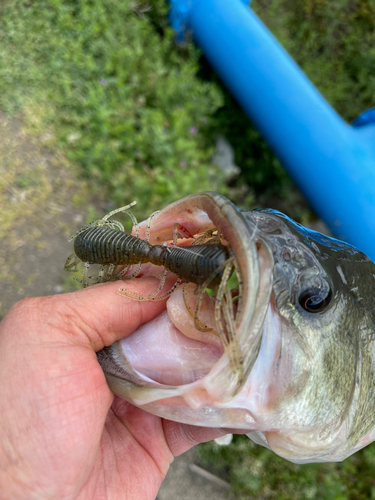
column 320, row 406
column 304, row 331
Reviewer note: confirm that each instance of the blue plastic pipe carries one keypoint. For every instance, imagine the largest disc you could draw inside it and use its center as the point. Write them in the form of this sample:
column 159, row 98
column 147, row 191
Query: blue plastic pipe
column 332, row 163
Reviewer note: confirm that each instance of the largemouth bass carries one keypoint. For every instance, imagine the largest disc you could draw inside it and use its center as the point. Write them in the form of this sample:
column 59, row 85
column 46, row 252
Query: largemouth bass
column 304, row 385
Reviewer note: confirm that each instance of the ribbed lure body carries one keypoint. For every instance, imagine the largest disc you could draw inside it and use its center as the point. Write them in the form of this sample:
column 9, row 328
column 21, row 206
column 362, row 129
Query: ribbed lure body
column 194, row 263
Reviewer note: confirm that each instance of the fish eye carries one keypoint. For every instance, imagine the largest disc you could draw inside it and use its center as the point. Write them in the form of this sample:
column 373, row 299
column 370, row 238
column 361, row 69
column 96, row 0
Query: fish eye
column 315, row 299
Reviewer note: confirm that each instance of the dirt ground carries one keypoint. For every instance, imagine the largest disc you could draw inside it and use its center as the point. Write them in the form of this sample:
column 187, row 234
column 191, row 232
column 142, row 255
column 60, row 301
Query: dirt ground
column 42, row 203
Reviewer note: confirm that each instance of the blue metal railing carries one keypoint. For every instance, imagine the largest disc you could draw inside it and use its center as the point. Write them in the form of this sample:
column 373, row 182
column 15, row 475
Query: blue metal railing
column 332, row 162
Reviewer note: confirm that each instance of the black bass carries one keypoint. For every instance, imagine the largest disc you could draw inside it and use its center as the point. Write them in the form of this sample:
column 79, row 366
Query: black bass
column 293, row 357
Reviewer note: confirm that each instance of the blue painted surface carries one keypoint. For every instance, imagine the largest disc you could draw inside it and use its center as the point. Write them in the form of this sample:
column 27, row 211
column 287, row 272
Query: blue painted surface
column 365, row 118
column 179, row 15
column 331, row 162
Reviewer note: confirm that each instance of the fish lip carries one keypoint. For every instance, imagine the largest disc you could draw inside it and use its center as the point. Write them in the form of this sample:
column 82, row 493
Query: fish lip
column 222, row 383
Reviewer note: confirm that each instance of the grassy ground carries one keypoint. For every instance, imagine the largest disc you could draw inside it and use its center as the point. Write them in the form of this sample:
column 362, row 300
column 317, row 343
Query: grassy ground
column 257, row 473
column 41, row 204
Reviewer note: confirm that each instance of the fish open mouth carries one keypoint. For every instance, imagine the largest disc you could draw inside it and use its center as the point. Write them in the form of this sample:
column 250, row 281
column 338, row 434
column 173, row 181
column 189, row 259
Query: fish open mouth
column 169, row 363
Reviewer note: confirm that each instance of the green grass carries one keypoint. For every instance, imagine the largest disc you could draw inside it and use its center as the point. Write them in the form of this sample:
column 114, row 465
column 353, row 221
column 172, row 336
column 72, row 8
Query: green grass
column 118, row 98
column 334, row 43
column 255, row 472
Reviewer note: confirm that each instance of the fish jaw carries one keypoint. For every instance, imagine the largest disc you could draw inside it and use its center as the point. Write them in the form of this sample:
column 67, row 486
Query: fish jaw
column 162, row 358
column 198, row 213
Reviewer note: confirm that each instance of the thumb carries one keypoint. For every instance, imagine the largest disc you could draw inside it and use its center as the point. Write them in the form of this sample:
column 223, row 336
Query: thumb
column 93, row 317
column 104, row 316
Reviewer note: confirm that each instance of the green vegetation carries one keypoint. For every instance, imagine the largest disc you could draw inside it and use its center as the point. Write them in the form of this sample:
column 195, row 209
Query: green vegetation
column 121, row 101
column 257, row 473
column 261, row 171
column 232, row 283
column 334, row 42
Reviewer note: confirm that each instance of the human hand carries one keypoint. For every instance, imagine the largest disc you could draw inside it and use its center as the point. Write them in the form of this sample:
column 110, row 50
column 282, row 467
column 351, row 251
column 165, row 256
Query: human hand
column 63, row 435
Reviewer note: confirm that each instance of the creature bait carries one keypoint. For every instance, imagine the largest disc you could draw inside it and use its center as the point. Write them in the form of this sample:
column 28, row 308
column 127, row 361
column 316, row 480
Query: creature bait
column 208, row 264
